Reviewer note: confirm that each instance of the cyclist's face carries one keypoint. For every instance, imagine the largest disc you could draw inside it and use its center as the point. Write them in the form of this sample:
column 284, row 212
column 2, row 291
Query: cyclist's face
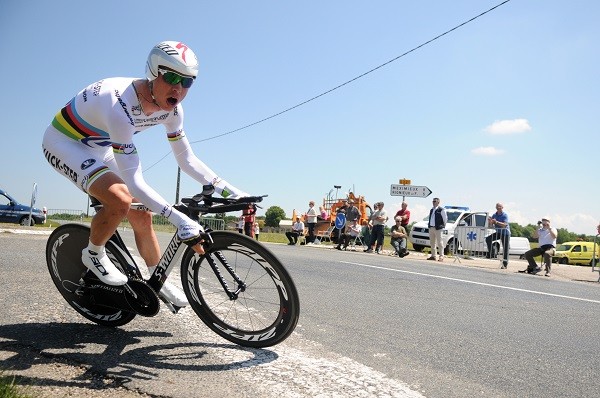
column 168, row 96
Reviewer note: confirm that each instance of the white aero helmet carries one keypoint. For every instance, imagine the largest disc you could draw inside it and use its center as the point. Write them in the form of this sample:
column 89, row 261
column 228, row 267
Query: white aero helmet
column 173, row 55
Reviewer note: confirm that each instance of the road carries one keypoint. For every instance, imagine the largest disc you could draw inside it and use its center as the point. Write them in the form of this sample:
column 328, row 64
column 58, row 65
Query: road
column 370, row 326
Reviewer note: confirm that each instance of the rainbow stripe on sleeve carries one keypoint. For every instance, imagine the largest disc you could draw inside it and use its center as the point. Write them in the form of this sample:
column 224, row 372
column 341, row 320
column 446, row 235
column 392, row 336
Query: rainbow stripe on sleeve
column 123, row 149
column 176, row 136
column 68, row 122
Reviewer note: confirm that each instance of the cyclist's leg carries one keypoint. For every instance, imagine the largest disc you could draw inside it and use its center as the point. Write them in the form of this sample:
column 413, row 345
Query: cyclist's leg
column 149, row 249
column 87, row 168
column 112, row 192
column 145, row 237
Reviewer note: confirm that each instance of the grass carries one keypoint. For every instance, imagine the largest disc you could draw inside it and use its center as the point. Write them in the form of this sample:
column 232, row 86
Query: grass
column 8, row 388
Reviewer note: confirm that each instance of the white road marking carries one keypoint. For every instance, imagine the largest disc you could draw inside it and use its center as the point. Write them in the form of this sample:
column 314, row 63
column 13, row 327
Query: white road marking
column 302, row 368
column 25, row 231
column 473, row 282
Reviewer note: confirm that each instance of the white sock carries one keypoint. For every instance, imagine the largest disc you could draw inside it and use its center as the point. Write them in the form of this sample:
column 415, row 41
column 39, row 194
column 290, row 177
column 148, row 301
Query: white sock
column 96, row 249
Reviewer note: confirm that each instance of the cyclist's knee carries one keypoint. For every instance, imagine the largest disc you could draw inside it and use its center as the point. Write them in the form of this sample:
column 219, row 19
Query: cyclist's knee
column 116, row 200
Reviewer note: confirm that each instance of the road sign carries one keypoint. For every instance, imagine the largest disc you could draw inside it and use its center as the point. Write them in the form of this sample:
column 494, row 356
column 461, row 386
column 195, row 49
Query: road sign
column 340, row 220
column 409, row 190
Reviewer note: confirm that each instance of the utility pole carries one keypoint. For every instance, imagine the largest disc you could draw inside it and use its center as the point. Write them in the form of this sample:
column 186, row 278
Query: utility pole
column 177, row 188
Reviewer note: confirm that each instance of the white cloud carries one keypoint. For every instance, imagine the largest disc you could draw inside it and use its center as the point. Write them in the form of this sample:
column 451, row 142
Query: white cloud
column 515, row 126
column 487, row 151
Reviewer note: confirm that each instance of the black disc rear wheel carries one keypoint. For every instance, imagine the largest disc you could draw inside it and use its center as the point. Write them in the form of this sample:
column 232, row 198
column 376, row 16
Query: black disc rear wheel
column 264, row 314
column 63, row 257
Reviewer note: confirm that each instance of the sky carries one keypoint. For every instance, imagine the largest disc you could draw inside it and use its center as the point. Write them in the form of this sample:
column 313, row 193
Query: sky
column 501, row 109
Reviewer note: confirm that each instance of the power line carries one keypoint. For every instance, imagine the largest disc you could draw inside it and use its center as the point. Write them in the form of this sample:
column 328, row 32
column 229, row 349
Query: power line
column 343, row 84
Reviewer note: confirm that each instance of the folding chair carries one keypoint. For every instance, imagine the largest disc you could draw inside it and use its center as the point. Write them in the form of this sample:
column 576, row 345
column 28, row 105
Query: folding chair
column 357, row 237
column 325, row 235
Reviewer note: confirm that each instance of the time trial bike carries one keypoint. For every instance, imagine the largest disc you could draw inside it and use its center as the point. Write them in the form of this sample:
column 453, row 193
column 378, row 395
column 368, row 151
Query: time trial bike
column 238, row 287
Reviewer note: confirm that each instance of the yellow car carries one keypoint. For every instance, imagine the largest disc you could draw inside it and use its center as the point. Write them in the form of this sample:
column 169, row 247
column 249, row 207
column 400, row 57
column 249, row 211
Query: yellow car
column 576, row 253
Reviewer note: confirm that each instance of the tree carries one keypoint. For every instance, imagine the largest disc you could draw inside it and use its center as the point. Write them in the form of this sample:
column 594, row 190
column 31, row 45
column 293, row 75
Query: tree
column 515, row 229
column 273, row 215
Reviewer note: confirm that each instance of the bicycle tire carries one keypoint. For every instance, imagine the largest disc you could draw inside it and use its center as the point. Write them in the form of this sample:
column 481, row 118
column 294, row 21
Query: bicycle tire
column 63, row 258
column 265, row 314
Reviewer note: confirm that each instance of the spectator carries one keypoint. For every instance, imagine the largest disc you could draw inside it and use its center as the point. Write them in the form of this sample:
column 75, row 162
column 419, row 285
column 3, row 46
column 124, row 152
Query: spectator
column 240, row 225
column 337, row 233
column 378, row 220
column 598, row 229
column 248, row 222
column 352, row 219
column 297, row 230
column 398, row 238
column 405, row 214
column 256, row 230
column 547, row 244
column 437, row 222
column 499, row 220
column 311, row 222
column 323, row 213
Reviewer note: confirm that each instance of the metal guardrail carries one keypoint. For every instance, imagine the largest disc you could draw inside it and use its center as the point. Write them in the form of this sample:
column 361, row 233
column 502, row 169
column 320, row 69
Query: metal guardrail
column 469, row 242
column 216, row 224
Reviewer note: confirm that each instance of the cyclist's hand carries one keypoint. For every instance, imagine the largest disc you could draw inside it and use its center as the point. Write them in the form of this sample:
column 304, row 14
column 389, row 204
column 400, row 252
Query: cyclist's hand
column 191, row 233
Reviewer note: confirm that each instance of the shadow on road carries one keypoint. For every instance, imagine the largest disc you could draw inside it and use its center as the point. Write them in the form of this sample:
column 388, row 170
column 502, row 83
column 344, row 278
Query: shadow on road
column 119, row 354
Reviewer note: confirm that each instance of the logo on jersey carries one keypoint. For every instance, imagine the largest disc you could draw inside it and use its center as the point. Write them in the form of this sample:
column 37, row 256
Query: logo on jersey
column 124, row 149
column 87, row 163
column 58, row 164
column 124, row 106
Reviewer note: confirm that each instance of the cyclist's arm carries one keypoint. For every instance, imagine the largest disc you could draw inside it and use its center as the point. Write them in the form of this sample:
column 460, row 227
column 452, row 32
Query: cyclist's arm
column 131, row 173
column 195, row 168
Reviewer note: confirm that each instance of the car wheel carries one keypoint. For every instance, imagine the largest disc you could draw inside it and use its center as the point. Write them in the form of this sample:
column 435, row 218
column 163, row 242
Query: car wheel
column 563, row 260
column 24, row 221
column 418, row 248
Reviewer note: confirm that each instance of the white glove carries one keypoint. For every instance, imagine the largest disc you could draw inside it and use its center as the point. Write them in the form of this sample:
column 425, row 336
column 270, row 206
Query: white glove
column 189, row 231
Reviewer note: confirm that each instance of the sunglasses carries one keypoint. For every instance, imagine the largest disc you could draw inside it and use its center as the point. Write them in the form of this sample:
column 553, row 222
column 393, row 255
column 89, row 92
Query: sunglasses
column 173, row 78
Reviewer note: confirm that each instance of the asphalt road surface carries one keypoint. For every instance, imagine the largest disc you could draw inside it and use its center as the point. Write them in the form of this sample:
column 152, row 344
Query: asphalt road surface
column 370, row 326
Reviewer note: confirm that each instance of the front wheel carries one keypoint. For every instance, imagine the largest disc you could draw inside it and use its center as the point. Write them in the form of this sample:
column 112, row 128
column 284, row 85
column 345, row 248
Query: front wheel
column 266, row 310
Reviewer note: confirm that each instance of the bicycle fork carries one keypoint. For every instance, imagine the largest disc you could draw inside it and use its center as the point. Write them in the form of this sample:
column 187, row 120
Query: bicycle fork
column 232, row 294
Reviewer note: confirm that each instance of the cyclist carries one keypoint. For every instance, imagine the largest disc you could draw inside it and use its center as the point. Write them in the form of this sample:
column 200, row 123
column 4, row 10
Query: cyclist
column 90, row 142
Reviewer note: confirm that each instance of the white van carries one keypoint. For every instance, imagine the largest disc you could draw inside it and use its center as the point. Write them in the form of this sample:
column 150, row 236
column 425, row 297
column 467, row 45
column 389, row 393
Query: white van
column 465, row 230
column 419, row 233
column 518, row 246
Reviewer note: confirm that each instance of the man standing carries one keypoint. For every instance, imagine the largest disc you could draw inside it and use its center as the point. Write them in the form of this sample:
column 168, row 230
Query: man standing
column 311, row 222
column 437, row 222
column 404, row 215
column 378, row 219
column 297, row 230
column 547, row 244
column 499, row 220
